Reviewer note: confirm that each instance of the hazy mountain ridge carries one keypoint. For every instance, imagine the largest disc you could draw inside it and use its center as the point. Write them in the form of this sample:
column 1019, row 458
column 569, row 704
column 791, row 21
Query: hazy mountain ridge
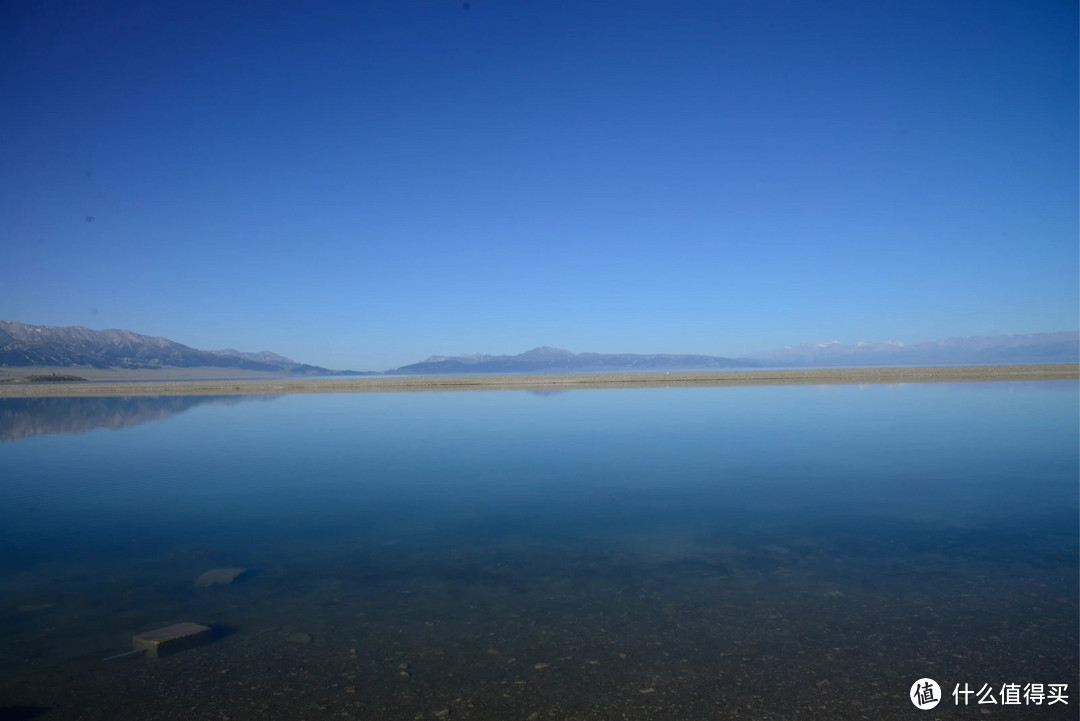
column 70, row 346
column 1061, row 347
column 260, row 357
column 548, row 359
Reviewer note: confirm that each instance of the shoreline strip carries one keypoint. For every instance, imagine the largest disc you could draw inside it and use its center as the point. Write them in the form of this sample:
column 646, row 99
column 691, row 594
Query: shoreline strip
column 681, row 379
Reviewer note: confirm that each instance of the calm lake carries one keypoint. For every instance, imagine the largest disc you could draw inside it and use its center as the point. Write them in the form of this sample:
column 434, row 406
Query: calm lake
column 801, row 552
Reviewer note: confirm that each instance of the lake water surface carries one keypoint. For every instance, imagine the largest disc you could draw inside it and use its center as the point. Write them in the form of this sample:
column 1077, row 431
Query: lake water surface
column 746, row 553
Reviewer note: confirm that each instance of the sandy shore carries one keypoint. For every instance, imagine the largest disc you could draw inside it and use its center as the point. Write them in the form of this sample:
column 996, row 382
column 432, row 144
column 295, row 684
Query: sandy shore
column 826, row 376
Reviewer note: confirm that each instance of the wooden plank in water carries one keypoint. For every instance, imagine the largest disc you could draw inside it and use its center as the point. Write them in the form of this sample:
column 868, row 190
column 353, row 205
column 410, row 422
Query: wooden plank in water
column 178, row 637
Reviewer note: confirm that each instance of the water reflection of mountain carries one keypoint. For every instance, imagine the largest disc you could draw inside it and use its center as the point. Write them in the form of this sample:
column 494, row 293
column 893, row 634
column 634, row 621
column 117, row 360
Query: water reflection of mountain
column 24, row 417
column 547, row 394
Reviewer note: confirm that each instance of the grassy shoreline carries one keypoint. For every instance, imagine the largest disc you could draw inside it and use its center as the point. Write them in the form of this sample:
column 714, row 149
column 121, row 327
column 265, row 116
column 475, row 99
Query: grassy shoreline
column 822, row 376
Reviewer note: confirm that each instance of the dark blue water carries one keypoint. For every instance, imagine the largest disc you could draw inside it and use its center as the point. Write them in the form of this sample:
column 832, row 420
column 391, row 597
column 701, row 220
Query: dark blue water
column 760, row 552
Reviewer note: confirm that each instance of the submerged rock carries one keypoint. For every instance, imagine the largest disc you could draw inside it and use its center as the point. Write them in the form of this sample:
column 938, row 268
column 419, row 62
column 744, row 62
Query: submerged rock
column 214, row 576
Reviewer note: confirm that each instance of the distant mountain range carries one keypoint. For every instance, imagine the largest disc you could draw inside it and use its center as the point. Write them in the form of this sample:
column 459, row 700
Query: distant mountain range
column 73, row 345
column 557, row 360
column 23, row 345
column 991, row 350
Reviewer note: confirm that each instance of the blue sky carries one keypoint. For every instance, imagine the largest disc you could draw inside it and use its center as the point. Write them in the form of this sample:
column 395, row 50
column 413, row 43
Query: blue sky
column 362, row 184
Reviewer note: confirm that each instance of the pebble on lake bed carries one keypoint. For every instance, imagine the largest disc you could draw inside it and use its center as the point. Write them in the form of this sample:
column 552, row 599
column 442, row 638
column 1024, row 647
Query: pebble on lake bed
column 219, row 576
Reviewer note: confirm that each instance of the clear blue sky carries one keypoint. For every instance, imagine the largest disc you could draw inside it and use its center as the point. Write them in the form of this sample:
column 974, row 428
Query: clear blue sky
column 362, row 184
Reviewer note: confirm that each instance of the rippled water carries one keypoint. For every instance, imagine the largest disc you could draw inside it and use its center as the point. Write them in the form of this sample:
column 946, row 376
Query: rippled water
column 761, row 552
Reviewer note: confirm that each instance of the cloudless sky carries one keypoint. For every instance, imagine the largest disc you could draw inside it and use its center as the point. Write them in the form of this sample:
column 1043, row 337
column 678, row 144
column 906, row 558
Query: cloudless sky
column 362, row 184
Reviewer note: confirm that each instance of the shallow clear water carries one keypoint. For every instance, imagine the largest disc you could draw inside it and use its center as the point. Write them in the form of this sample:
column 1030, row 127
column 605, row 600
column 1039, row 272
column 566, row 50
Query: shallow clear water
column 759, row 552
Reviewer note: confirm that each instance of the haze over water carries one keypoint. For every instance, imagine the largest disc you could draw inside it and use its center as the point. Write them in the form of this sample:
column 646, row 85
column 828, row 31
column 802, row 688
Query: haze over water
column 752, row 552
